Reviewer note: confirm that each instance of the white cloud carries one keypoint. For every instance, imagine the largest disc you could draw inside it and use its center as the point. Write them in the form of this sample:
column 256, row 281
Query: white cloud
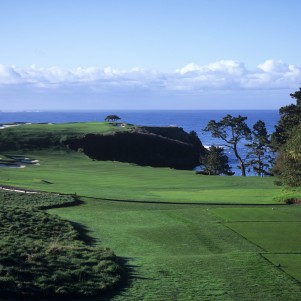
column 272, row 66
column 221, row 67
column 8, row 75
column 192, row 78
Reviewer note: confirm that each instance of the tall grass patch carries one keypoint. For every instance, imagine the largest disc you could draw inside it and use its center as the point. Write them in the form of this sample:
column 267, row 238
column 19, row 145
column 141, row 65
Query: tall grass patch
column 41, row 254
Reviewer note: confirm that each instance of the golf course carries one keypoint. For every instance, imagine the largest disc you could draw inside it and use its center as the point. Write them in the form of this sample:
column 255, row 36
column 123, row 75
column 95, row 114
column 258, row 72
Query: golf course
column 177, row 235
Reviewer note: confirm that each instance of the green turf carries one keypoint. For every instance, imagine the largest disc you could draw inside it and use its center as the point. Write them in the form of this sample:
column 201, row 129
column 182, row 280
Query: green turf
column 182, row 252
column 271, row 236
column 290, row 263
column 59, row 129
column 48, row 136
column 266, row 214
column 177, row 251
column 75, row 173
column 274, row 229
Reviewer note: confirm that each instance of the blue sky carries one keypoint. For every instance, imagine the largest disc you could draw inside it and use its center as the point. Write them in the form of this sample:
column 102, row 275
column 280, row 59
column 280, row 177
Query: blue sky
column 168, row 54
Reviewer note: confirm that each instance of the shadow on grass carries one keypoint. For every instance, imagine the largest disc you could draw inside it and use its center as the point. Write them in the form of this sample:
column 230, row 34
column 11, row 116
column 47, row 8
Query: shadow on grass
column 225, row 204
column 83, row 233
column 76, row 202
column 130, row 274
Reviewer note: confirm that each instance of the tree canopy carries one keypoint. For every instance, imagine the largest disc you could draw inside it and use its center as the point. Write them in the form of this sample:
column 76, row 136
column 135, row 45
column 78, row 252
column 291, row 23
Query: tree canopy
column 259, row 156
column 231, row 130
column 215, row 162
column 290, row 117
column 112, row 118
column 287, row 141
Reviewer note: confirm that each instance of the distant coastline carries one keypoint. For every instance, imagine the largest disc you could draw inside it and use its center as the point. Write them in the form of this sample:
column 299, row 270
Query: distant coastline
column 189, row 120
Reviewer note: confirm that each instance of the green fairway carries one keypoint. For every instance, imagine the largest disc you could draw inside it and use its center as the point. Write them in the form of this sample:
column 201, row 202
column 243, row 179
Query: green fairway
column 271, row 236
column 36, row 131
column 184, row 236
column 181, row 252
column 290, row 263
column 75, row 173
column 275, row 230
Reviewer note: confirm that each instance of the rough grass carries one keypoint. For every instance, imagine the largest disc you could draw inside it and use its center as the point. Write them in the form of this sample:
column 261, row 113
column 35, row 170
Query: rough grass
column 75, row 173
column 41, row 255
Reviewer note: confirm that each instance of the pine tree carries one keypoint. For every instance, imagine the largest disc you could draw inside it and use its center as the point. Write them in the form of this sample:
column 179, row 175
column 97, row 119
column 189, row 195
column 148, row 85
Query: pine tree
column 259, row 156
column 215, row 162
column 231, row 130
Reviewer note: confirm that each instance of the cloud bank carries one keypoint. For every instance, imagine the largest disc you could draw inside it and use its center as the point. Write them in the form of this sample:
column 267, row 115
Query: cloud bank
column 192, row 78
column 219, row 85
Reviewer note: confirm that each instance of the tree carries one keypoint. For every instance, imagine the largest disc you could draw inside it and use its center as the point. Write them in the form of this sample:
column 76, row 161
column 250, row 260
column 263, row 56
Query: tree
column 286, row 140
column 231, row 130
column 290, row 117
column 288, row 163
column 259, row 154
column 112, row 118
column 215, row 162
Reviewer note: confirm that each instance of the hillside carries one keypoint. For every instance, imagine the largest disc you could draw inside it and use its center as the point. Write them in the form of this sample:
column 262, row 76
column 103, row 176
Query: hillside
column 148, row 146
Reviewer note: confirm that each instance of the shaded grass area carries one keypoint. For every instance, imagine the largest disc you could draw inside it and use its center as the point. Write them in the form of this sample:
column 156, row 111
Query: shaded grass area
column 41, row 255
column 182, row 252
column 75, row 173
column 276, row 230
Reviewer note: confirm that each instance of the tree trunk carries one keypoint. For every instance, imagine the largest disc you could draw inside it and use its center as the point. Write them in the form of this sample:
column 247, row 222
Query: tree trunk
column 241, row 163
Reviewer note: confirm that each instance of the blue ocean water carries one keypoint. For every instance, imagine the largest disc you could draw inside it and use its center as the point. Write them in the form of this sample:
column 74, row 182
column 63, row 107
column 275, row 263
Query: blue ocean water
column 187, row 119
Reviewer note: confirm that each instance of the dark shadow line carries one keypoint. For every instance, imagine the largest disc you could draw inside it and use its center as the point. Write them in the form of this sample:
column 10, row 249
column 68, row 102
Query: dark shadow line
column 183, row 203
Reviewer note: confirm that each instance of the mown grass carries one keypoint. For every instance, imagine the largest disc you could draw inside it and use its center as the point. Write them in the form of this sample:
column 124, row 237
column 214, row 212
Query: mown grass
column 75, row 173
column 290, row 263
column 275, row 230
column 59, row 129
column 177, row 246
column 37, row 136
column 182, row 252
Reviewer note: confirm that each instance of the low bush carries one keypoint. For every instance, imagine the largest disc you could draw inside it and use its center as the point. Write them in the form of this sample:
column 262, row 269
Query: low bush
column 42, row 256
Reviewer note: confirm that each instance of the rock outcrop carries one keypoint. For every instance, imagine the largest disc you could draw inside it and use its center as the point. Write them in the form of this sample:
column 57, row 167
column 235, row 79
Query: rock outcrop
column 146, row 146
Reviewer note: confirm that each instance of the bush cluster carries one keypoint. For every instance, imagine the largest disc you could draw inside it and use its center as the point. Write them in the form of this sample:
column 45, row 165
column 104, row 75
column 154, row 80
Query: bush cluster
column 41, row 255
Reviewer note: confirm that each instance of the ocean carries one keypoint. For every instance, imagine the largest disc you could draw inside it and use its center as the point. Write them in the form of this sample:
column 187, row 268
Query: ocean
column 189, row 120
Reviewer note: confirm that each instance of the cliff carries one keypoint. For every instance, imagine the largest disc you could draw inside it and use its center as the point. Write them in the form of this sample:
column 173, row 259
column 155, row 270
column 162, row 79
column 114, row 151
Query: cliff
column 152, row 146
column 155, row 146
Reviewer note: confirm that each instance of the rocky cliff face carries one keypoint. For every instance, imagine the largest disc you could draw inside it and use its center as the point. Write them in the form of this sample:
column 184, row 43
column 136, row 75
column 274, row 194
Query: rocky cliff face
column 153, row 146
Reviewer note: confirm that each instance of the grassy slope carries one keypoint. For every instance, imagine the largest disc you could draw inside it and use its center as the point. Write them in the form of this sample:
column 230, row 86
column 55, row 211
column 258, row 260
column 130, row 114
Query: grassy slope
column 73, row 172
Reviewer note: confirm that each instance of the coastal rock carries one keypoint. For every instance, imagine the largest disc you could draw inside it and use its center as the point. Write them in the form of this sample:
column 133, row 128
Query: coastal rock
column 156, row 146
